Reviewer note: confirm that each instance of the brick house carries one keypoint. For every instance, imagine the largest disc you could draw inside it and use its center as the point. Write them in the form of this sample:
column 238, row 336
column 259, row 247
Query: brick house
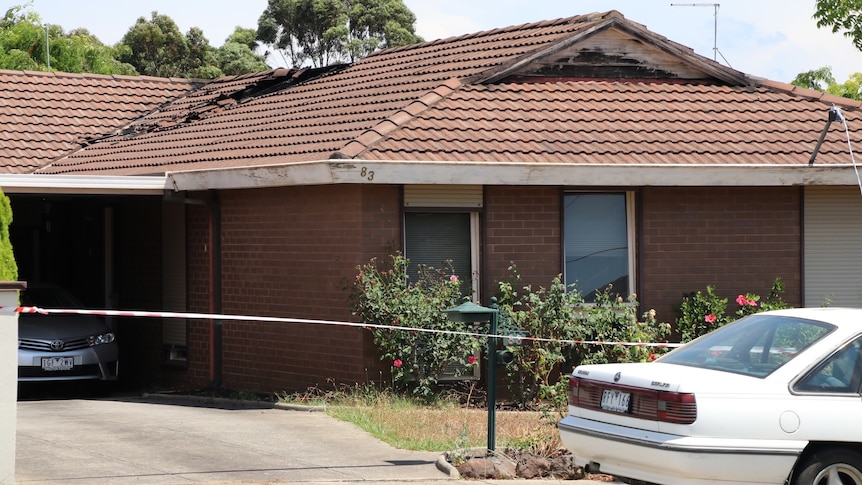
column 588, row 146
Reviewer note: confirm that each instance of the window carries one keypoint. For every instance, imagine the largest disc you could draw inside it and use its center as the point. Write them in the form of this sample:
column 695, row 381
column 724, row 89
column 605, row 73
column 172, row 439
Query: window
column 598, row 242
column 433, row 238
column 841, row 372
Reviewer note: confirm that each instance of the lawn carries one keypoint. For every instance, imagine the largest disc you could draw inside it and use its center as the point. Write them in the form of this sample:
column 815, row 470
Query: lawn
column 444, row 424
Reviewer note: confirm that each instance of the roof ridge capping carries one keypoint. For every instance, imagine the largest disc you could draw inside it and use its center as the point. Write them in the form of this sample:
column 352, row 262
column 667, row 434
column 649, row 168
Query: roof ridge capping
column 599, row 22
column 812, row 94
column 398, row 119
column 590, row 17
column 103, row 77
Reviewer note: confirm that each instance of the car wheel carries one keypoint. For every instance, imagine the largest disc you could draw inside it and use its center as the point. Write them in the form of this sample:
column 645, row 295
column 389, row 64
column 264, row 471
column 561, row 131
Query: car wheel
column 832, row 466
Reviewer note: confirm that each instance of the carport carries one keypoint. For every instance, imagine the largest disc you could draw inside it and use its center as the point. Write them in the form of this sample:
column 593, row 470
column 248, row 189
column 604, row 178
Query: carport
column 116, row 242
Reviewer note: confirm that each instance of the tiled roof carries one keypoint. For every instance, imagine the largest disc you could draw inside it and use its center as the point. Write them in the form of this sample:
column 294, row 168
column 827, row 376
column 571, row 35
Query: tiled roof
column 46, row 115
column 586, row 122
column 592, row 89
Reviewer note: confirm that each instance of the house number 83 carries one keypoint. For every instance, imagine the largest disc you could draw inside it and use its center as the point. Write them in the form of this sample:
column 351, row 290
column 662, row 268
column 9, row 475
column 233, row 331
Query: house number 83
column 366, row 174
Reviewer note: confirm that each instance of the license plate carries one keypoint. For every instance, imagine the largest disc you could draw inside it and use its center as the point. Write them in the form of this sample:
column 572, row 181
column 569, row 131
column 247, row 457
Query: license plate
column 616, row 401
column 57, row 363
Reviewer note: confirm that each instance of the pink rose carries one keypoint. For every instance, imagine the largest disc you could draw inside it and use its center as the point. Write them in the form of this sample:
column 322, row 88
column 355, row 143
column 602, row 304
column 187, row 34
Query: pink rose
column 709, row 318
column 397, row 363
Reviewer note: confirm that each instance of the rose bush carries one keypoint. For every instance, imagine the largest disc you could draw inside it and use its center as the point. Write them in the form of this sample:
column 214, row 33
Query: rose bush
column 386, row 295
column 702, row 312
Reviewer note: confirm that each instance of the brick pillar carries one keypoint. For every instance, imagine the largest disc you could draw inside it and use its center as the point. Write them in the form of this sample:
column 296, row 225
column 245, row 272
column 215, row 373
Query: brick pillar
column 8, row 377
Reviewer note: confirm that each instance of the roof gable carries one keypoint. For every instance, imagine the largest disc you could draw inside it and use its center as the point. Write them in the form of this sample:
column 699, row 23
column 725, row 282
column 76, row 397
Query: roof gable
column 617, row 49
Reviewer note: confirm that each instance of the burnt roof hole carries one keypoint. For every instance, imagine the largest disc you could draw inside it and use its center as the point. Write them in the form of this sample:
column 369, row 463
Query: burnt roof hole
column 283, row 79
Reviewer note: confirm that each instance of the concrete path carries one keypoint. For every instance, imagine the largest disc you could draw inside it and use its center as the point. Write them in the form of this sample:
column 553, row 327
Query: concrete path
column 146, row 440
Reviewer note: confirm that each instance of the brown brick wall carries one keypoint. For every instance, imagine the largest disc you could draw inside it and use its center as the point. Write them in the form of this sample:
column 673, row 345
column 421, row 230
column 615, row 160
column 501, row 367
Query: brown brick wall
column 522, row 227
column 736, row 239
column 292, row 252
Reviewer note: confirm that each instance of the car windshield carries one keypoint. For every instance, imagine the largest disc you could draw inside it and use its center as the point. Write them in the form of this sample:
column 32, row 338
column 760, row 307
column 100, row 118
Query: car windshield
column 755, row 345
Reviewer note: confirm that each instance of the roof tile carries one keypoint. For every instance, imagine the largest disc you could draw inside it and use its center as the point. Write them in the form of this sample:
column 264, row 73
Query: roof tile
column 49, row 112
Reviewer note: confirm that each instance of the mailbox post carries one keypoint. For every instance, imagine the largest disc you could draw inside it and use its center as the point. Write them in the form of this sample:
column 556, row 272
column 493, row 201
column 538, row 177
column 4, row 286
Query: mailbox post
column 473, row 313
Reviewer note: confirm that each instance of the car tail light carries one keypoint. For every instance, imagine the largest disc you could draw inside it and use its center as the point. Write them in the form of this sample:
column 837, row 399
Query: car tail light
column 574, row 391
column 676, row 407
column 649, row 404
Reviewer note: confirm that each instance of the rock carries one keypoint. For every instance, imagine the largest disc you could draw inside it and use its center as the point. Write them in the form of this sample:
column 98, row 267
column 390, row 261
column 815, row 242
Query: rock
column 532, row 466
column 477, row 468
column 563, row 468
column 521, row 464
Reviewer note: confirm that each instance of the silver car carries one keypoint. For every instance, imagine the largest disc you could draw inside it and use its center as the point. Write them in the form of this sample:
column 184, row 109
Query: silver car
column 63, row 347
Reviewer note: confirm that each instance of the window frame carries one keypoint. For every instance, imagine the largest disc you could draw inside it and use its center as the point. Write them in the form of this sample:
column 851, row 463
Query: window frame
column 474, row 234
column 631, row 233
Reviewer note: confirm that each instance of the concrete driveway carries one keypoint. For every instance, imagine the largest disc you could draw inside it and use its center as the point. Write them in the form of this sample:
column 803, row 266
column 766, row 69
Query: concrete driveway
column 147, row 440
column 158, row 440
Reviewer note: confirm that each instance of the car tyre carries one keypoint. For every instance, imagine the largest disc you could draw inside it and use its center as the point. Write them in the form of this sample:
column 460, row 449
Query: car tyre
column 831, row 466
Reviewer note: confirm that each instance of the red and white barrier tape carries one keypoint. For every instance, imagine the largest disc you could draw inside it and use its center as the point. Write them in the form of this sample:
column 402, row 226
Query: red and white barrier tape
column 247, row 318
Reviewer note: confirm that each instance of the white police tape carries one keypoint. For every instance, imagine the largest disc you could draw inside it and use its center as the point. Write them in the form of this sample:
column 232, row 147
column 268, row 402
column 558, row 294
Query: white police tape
column 247, row 318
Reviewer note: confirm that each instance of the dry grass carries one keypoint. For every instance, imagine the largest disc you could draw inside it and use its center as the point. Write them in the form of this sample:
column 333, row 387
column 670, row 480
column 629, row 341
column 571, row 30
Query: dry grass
column 444, row 425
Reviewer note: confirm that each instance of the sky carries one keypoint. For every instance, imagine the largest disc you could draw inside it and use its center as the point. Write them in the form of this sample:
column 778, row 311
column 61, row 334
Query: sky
column 774, row 39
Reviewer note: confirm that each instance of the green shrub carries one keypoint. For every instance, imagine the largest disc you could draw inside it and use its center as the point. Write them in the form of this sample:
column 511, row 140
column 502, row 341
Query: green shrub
column 8, row 267
column 614, row 319
column 560, row 330
column 547, row 313
column 556, row 317
column 700, row 313
column 385, row 296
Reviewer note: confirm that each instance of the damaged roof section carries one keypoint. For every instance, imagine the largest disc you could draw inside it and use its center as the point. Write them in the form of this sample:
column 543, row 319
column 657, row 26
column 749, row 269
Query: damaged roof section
column 216, row 97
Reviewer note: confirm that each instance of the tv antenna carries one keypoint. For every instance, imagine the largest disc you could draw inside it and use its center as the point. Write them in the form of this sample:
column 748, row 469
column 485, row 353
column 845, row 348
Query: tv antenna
column 715, row 51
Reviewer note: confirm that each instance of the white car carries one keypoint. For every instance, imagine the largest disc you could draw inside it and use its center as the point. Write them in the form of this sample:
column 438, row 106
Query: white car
column 773, row 398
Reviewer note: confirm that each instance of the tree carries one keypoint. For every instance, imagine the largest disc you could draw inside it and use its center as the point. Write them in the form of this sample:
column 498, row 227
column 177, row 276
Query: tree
column 818, row 79
column 237, row 55
column 23, row 45
column 325, row 32
column 822, row 80
column 156, row 47
column 843, row 16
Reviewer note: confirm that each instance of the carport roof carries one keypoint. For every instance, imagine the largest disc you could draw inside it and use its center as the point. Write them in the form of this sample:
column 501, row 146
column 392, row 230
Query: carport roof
column 590, row 91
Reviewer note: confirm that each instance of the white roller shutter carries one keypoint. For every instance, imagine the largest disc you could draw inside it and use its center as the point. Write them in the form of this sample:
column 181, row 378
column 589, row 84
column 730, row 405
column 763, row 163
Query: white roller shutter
column 442, row 196
column 832, row 265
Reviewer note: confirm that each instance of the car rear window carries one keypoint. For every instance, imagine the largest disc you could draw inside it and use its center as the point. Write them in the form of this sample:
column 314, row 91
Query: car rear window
column 756, row 345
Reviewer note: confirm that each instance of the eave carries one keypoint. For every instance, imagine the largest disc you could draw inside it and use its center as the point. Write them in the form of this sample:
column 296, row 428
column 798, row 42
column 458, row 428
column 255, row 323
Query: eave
column 83, row 184
column 328, row 172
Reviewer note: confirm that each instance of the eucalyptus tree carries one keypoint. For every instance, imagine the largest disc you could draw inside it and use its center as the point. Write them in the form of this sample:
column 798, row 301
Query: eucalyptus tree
column 324, row 32
column 238, row 55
